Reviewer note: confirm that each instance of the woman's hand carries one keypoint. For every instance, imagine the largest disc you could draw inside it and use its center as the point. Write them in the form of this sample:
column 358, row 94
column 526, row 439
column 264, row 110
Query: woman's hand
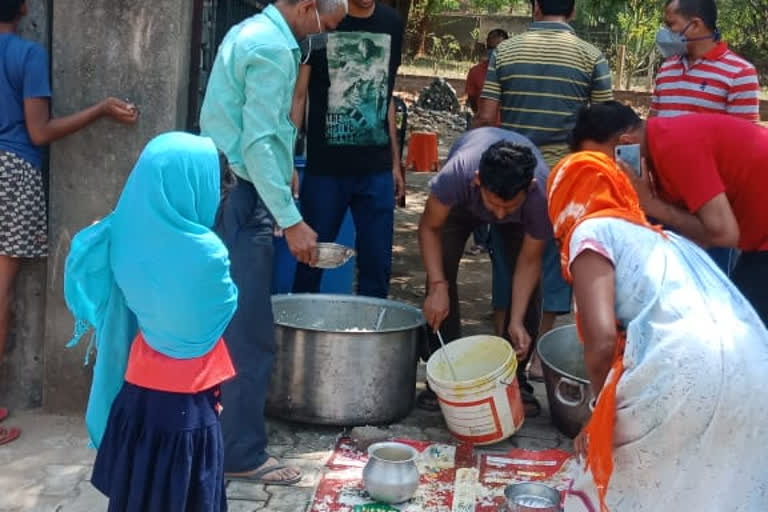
column 643, row 184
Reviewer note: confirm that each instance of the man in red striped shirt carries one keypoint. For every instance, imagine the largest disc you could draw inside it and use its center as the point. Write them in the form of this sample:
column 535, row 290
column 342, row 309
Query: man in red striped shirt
column 701, row 74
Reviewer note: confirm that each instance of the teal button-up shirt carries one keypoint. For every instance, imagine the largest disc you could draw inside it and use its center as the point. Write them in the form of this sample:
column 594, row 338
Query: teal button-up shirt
column 247, row 108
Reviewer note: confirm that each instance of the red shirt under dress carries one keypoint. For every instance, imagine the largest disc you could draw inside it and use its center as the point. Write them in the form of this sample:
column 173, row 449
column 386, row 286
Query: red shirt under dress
column 150, row 369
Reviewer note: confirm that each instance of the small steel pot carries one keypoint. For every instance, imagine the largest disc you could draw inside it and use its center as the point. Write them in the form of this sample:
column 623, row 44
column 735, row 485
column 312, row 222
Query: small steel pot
column 532, row 497
column 391, row 475
column 565, row 375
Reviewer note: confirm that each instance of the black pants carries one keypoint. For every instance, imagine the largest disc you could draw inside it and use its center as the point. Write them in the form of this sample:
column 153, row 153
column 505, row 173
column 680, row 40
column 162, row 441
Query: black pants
column 751, row 277
column 458, row 227
column 245, row 226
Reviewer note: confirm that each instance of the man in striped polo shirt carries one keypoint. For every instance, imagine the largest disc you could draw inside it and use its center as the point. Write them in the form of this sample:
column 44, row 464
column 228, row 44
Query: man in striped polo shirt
column 701, row 74
column 539, row 80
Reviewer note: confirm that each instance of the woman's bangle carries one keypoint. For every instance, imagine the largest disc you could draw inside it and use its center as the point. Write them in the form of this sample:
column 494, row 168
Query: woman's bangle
column 433, row 284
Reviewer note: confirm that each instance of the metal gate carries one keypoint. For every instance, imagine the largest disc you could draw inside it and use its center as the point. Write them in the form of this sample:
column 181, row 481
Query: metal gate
column 212, row 20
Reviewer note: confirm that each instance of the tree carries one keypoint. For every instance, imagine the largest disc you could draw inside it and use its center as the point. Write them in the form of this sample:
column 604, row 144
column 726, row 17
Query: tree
column 633, row 25
column 423, row 11
column 743, row 24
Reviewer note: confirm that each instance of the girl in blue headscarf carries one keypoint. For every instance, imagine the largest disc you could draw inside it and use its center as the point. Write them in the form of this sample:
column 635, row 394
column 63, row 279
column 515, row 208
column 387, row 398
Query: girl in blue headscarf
column 152, row 280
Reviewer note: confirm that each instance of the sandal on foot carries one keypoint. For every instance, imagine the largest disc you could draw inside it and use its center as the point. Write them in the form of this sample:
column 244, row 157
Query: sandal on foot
column 427, row 401
column 8, row 435
column 257, row 477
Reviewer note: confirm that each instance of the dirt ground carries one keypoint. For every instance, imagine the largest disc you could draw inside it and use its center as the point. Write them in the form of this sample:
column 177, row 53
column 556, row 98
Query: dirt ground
column 408, row 276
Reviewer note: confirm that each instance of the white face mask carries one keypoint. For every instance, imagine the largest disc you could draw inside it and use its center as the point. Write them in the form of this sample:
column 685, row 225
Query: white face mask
column 313, row 41
column 675, row 44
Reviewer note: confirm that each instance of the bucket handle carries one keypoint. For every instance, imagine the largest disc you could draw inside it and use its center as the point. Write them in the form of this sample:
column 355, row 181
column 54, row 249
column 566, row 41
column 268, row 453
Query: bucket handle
column 566, row 401
column 508, row 382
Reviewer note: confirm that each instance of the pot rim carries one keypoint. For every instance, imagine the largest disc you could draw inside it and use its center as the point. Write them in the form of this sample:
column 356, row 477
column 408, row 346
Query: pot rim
column 296, row 297
column 393, row 444
column 548, row 364
column 554, row 494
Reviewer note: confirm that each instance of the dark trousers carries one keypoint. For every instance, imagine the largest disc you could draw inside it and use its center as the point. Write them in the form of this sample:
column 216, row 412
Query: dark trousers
column 480, row 236
column 751, row 277
column 246, row 227
column 371, row 197
column 722, row 256
column 456, row 231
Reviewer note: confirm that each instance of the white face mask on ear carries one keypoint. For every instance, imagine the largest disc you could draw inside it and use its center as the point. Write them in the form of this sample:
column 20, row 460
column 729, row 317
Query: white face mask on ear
column 313, row 41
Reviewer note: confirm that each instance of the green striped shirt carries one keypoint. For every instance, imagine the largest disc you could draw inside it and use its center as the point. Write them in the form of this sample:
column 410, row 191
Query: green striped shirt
column 542, row 78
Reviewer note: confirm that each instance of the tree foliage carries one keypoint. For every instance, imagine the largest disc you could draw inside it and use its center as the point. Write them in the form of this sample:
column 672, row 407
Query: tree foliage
column 744, row 25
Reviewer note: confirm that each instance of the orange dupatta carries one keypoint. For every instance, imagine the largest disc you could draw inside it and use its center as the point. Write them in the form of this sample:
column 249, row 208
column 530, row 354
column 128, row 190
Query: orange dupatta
column 588, row 185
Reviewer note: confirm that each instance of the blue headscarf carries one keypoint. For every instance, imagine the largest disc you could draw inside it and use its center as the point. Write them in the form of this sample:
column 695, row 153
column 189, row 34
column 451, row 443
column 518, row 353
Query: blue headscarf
column 153, row 265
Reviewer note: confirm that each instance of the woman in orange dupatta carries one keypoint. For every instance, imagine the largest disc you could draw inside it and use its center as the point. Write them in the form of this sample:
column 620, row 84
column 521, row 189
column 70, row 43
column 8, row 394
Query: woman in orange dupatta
column 671, row 349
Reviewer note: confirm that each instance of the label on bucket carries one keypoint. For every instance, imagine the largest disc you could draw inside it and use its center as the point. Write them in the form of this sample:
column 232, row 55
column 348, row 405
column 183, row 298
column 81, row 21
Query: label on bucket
column 473, row 421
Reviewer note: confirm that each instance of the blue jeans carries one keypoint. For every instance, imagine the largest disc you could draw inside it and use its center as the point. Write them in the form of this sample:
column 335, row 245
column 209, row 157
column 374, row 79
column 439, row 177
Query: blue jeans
column 371, row 198
column 245, row 226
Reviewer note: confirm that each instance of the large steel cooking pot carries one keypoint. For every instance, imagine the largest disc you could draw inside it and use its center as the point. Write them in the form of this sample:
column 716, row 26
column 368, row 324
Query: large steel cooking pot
column 565, row 375
column 344, row 360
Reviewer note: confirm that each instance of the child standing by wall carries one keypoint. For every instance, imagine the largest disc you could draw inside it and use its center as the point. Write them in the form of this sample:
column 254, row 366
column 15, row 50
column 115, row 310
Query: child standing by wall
column 25, row 126
column 153, row 280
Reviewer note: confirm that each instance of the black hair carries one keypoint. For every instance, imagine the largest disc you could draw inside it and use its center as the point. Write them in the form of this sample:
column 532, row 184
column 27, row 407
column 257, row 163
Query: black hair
column 555, row 7
column 498, row 33
column 706, row 10
column 227, row 176
column 601, row 122
column 506, row 169
column 10, row 10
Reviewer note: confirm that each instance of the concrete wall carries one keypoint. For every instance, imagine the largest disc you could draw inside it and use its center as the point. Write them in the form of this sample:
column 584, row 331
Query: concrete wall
column 138, row 50
column 21, row 371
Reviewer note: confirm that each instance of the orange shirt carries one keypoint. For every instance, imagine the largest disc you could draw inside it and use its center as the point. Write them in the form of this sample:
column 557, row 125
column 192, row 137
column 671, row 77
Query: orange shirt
column 150, row 369
column 475, row 82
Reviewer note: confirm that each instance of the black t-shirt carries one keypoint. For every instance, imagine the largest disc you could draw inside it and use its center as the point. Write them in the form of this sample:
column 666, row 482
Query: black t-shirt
column 350, row 89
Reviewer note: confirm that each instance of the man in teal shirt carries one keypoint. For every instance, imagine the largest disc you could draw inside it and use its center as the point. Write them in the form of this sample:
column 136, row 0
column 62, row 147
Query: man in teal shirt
column 246, row 112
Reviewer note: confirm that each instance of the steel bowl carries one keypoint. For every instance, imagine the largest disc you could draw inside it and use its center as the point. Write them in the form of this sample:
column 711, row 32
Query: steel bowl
column 344, row 360
column 532, row 497
column 330, row 255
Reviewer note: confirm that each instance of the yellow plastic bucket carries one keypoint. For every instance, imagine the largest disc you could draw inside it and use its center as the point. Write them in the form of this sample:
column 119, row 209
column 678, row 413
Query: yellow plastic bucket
column 483, row 406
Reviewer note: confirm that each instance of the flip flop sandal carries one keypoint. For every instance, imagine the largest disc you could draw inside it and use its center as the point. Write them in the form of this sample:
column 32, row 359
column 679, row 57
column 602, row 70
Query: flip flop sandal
column 531, row 405
column 258, row 477
column 3, row 413
column 427, row 401
column 8, row 435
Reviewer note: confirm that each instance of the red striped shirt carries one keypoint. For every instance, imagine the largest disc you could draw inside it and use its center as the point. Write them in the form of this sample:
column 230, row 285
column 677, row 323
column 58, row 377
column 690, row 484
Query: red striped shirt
column 721, row 82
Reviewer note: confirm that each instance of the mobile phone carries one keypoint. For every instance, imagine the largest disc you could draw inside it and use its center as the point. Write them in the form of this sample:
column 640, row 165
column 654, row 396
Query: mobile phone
column 630, row 155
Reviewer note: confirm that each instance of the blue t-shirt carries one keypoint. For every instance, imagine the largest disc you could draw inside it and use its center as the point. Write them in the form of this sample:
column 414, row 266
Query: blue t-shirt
column 454, row 184
column 23, row 74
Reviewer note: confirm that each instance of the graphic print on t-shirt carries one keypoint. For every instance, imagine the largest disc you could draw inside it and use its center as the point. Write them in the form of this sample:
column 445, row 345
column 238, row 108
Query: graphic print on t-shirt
column 358, row 68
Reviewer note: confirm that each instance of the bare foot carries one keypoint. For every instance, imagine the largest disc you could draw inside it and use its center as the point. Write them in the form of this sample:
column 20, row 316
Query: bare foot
column 281, row 475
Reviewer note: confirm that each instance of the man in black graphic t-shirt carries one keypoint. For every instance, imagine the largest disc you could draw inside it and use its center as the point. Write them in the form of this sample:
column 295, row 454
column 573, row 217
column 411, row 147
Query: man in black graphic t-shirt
column 352, row 156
